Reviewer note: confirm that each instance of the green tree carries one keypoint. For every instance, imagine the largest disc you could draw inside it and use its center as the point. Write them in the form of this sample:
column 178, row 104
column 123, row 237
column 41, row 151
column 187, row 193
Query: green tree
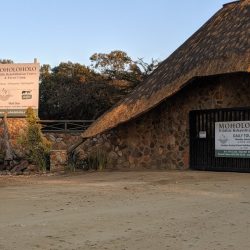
column 119, row 66
column 116, row 65
column 115, row 61
column 73, row 72
column 34, row 142
column 74, row 91
column 6, row 61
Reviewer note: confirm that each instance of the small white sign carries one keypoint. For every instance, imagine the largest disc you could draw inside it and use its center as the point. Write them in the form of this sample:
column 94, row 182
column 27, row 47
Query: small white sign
column 202, row 134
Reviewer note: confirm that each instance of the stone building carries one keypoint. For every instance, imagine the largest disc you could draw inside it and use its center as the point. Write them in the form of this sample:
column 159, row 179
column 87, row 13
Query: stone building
column 150, row 127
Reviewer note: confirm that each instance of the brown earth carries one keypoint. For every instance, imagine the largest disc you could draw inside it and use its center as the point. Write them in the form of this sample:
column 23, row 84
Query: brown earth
column 126, row 210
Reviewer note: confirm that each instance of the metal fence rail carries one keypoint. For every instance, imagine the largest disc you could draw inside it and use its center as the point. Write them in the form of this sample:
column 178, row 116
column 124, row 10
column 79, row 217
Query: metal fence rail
column 65, row 126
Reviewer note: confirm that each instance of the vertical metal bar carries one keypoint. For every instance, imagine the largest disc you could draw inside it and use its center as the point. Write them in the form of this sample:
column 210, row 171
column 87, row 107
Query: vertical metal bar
column 206, row 139
column 65, row 126
column 216, row 119
column 190, row 140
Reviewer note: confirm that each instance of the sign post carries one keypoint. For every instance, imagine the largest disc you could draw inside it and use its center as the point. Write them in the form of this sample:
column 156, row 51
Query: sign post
column 19, row 88
column 232, row 139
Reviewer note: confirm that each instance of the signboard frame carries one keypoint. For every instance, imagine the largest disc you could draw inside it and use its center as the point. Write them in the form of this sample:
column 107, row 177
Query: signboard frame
column 232, row 139
column 19, row 88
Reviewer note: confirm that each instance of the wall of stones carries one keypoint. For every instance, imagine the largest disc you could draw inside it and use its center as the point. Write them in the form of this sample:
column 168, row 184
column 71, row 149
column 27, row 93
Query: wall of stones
column 159, row 139
column 63, row 141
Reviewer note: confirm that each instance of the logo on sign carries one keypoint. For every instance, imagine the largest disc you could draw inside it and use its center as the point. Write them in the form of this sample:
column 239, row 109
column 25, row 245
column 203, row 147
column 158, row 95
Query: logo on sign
column 223, row 139
column 4, row 94
column 26, row 94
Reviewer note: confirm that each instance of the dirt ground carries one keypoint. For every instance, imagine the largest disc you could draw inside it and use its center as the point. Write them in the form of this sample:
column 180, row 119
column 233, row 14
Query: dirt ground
column 126, row 210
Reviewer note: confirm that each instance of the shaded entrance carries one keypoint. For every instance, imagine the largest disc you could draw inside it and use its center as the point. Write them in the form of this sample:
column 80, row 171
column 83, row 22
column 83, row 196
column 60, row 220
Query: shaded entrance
column 202, row 140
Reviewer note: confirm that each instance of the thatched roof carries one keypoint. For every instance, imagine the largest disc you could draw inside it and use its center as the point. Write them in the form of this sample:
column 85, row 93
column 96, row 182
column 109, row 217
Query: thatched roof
column 220, row 46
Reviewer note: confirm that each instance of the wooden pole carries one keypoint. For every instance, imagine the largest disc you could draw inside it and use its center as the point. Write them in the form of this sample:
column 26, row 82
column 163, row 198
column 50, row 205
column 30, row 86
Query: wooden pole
column 9, row 152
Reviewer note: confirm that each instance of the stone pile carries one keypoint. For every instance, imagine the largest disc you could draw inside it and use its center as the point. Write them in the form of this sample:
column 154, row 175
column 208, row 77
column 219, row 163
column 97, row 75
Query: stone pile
column 20, row 168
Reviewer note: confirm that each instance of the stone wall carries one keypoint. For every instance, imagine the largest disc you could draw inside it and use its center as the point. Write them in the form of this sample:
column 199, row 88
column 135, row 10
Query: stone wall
column 58, row 160
column 159, row 139
column 63, row 141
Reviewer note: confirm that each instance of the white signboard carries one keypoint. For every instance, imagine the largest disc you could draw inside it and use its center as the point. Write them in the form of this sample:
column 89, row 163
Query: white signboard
column 19, row 88
column 232, row 139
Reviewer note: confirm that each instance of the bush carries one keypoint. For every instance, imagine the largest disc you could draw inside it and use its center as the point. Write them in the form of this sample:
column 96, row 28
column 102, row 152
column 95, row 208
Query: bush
column 36, row 145
column 97, row 160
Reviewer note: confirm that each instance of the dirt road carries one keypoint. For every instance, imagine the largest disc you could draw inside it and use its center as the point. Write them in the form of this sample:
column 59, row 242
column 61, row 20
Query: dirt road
column 126, row 210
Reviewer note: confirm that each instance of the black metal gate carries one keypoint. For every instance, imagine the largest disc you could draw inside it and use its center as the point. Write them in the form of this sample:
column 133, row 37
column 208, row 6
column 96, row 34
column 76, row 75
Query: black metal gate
column 202, row 140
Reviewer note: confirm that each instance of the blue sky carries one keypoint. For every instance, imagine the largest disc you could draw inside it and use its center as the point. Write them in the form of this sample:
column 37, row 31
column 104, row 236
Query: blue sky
column 72, row 30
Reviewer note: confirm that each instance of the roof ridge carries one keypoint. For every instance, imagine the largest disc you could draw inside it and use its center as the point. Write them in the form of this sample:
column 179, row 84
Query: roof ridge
column 237, row 2
column 232, row 3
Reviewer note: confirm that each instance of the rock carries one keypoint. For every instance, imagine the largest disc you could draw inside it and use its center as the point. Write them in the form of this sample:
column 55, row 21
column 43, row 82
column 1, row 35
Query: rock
column 112, row 155
column 26, row 172
column 20, row 153
column 2, row 167
column 21, row 166
column 130, row 159
column 100, row 140
column 136, row 153
column 59, row 139
column 160, row 150
column 146, row 151
column 107, row 145
column 119, row 141
column 52, row 137
column 32, row 168
column 120, row 162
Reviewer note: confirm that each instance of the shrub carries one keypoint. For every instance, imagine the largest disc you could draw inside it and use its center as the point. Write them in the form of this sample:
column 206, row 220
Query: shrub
column 36, row 145
column 97, row 160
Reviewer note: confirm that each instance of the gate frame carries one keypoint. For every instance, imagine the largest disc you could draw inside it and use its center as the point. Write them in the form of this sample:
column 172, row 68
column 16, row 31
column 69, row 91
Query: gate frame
column 221, row 161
